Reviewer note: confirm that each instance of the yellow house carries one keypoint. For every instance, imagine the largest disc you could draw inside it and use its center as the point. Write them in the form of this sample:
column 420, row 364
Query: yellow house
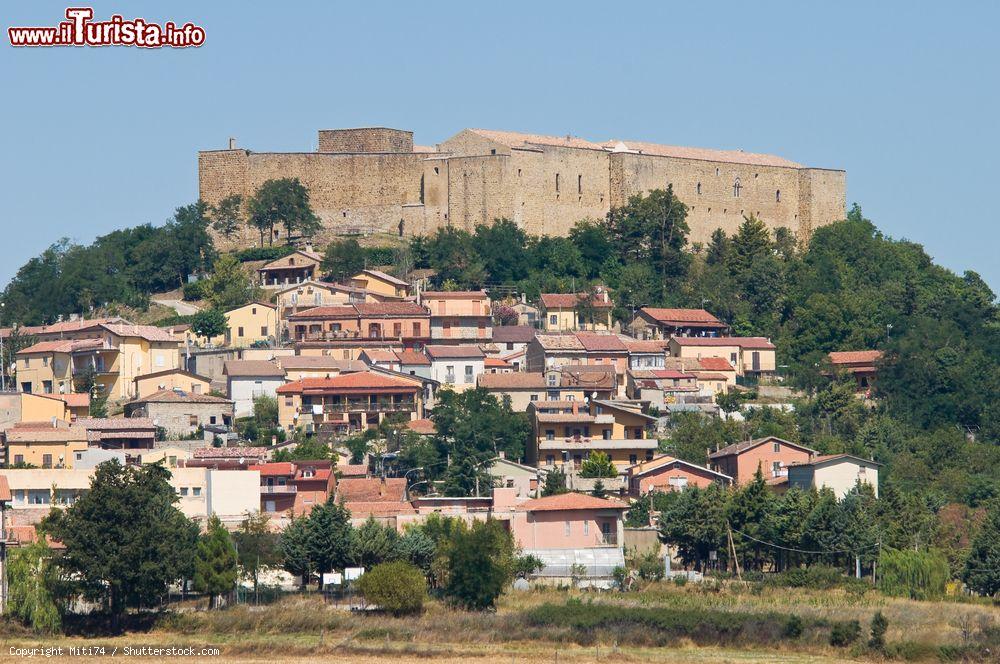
column 753, row 356
column 381, row 283
column 171, row 379
column 559, row 311
column 44, row 444
column 256, row 321
column 47, row 367
column 140, row 349
column 43, row 408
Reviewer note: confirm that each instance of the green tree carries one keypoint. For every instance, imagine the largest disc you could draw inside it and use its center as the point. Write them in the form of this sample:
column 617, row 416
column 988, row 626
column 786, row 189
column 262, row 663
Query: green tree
column 209, row 323
column 598, row 464
column 342, row 260
column 982, row 566
column 293, row 545
column 32, row 580
column 125, row 540
column 230, row 285
column 257, row 546
column 328, row 539
column 480, row 565
column 265, row 411
column 599, row 491
column 374, row 543
column 215, row 563
column 555, row 483
column 502, row 249
column 694, row 520
column 748, row 514
column 283, row 202
column 226, row 216
column 592, row 242
column 416, row 547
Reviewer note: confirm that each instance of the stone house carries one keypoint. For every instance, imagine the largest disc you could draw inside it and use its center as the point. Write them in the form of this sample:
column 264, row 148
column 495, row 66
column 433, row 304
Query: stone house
column 182, row 413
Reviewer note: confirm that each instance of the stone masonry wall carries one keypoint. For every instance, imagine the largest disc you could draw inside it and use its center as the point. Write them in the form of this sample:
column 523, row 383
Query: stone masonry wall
column 367, row 140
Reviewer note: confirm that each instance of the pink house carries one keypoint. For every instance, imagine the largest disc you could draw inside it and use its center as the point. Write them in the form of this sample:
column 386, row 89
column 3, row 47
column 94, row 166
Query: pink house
column 666, row 473
column 772, row 455
column 568, row 521
column 459, row 315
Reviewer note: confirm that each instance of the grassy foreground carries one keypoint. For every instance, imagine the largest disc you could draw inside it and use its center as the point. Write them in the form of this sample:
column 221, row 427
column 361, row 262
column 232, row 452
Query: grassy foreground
column 663, row 623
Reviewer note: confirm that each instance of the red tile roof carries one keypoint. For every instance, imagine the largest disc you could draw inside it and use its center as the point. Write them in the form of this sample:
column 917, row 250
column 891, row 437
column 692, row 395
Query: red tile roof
column 516, row 334
column 252, row 369
column 352, row 469
column 62, row 346
column 715, row 364
column 512, row 381
column 570, row 501
column 570, row 300
column 592, row 341
column 455, row 295
column 651, row 346
column 274, row 469
column 855, row 356
column 378, row 274
column 358, row 381
column 229, row 453
column 741, row 447
column 683, row 316
column 363, row 509
column 670, row 373
column 371, row 489
column 422, row 426
column 179, row 396
column 391, row 309
column 326, row 312
column 147, row 332
column 5, row 496
column 448, row 352
column 497, row 363
column 412, row 357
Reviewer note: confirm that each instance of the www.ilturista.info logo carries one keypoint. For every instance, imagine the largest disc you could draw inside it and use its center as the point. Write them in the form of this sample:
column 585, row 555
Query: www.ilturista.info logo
column 80, row 30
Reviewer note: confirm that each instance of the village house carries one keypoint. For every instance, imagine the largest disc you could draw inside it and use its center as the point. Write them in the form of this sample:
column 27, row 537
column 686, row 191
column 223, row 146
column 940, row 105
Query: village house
column 182, row 413
column 838, row 472
column 566, row 383
column 565, row 433
column 381, row 284
column 509, row 474
column 658, row 323
column 256, row 322
column 294, row 487
column 714, row 374
column 380, row 357
column 43, row 408
column 662, row 388
column 647, row 354
column 860, row 364
column 771, row 455
column 132, row 434
column 456, row 367
column 247, row 380
column 311, row 294
column 348, row 403
column 414, row 363
column 548, row 350
column 170, row 379
column 751, row 356
column 511, row 342
column 406, row 323
column 459, row 316
column 496, row 365
column 44, row 444
column 562, row 312
column 666, row 473
column 297, row 267
column 297, row 367
column 78, row 405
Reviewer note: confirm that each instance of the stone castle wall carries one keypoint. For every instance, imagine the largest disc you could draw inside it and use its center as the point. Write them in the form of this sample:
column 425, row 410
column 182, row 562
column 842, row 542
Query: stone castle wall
column 369, row 181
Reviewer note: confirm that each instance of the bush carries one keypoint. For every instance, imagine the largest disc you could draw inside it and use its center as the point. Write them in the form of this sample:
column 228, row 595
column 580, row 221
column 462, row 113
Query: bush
column 194, row 290
column 816, row 577
column 649, row 566
column 793, row 627
column 844, row 633
column 880, row 624
column 913, row 574
column 396, row 587
column 263, row 253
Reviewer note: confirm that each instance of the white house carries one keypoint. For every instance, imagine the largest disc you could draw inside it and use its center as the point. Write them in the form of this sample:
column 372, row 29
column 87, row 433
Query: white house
column 456, row 367
column 837, row 472
column 249, row 379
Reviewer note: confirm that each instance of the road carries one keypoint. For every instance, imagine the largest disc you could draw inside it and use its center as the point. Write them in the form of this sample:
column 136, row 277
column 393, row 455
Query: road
column 180, row 306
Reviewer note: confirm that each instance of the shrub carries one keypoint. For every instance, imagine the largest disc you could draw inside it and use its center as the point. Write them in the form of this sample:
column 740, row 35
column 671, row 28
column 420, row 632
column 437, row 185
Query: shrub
column 263, row 253
column 844, row 633
column 396, row 587
column 913, row 574
column 649, row 566
column 194, row 290
column 816, row 577
column 793, row 627
column 880, row 624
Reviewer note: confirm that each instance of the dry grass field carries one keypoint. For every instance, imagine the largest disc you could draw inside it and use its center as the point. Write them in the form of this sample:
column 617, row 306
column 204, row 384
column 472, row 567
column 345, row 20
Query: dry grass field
column 304, row 629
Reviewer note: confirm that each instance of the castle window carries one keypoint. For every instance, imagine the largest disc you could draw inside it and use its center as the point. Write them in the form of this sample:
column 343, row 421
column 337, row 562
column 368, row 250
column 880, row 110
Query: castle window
column 401, row 225
column 736, row 188
column 579, row 184
column 493, row 151
column 519, row 172
column 421, row 189
column 717, row 171
column 777, row 196
column 557, row 183
column 698, row 188
column 437, row 170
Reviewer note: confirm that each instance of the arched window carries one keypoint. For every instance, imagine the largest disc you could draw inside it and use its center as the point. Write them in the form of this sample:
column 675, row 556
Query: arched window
column 736, row 188
column 698, row 188
column 777, row 196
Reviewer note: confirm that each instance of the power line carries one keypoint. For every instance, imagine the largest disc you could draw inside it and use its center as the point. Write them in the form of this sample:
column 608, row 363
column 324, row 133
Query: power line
column 788, row 548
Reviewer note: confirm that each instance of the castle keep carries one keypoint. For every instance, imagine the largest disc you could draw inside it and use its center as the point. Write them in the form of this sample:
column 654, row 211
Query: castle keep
column 375, row 180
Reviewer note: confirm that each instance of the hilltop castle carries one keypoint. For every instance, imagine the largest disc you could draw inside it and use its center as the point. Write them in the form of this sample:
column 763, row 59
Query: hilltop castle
column 375, row 180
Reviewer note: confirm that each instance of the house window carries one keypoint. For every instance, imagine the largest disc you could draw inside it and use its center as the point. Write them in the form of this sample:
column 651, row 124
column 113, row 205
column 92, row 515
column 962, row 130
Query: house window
column 46, row 461
column 606, row 434
column 532, row 397
column 263, row 331
column 45, row 361
column 677, row 483
column 586, row 528
column 288, row 402
column 19, row 459
column 550, row 434
column 732, row 359
column 736, row 188
column 47, row 386
column 211, row 419
column 552, row 379
column 566, row 529
column 649, row 455
column 550, row 460
column 397, row 329
column 449, row 374
column 193, row 420
column 416, row 329
column 775, row 468
column 553, row 319
column 253, row 310
column 468, row 373
column 184, row 491
column 632, row 459
column 196, row 491
column 239, row 331
column 777, row 447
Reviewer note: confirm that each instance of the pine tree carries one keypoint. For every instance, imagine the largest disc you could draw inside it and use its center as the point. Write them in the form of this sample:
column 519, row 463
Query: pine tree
column 215, row 565
column 294, row 553
column 982, row 567
column 555, row 483
column 328, row 538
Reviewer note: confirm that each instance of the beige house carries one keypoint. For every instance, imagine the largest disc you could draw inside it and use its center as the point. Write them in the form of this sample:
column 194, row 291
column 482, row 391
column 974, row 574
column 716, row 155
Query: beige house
column 297, row 367
column 310, row 294
column 251, row 323
column 559, row 312
column 297, row 267
column 381, row 284
column 171, row 379
column 751, row 356
column 44, row 444
column 837, row 472
column 566, row 383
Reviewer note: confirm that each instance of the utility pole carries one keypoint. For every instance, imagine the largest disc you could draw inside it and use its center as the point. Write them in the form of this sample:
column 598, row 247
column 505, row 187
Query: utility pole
column 732, row 546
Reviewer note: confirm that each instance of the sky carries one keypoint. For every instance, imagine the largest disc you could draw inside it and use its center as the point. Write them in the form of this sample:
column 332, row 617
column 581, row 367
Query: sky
column 903, row 96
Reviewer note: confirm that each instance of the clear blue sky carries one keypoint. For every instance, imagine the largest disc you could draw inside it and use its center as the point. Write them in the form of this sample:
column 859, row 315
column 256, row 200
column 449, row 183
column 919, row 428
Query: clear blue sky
column 904, row 96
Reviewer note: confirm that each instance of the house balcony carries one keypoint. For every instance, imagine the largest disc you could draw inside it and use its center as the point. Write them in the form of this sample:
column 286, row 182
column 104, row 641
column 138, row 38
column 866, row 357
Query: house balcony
column 278, row 489
column 370, row 407
column 607, row 539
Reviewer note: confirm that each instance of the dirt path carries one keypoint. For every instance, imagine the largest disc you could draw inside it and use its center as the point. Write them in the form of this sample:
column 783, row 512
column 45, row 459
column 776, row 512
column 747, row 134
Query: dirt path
column 180, row 306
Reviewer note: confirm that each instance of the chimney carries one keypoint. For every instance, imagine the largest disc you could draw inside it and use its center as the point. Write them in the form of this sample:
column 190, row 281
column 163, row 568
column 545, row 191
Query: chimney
column 232, row 142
